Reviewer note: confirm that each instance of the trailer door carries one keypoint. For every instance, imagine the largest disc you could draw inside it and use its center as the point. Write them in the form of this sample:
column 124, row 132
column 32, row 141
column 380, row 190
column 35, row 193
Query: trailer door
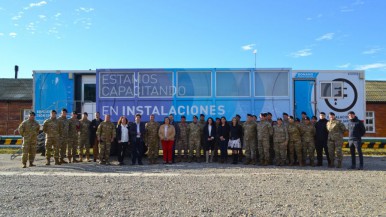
column 304, row 91
column 89, row 95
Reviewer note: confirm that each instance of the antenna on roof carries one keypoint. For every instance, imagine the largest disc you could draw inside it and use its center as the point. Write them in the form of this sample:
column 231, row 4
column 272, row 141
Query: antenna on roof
column 16, row 70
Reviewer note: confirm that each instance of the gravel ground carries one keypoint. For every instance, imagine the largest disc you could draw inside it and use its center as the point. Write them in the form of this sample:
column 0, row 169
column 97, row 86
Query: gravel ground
column 191, row 189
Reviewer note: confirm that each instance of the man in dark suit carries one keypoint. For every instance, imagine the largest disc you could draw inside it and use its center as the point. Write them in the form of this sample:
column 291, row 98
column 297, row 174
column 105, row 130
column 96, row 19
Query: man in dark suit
column 93, row 141
column 137, row 133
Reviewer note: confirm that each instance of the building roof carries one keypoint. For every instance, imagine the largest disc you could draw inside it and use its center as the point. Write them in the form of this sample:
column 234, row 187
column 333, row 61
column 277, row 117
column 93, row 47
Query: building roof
column 375, row 91
column 16, row 89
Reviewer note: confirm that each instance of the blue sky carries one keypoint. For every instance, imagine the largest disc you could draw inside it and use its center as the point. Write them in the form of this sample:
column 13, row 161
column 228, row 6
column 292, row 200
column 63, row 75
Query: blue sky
column 90, row 34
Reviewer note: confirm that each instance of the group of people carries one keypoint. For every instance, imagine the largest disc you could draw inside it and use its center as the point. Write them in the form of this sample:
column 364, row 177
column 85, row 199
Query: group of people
column 286, row 141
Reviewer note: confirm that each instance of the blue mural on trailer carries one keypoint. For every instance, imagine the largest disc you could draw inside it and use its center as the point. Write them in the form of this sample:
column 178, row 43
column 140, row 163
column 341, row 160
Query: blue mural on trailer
column 213, row 92
column 52, row 91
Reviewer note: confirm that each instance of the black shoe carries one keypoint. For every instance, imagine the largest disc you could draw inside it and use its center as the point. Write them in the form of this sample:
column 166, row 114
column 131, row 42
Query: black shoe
column 140, row 163
column 360, row 168
column 351, row 168
column 132, row 163
column 121, row 163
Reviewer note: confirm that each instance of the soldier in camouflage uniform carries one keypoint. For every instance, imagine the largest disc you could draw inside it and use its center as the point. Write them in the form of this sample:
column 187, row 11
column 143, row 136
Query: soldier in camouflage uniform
column 63, row 137
column 250, row 135
column 335, row 139
column 264, row 132
column 182, row 144
column 73, row 129
column 52, row 128
column 202, row 124
column 29, row 130
column 106, row 133
column 285, row 119
column 308, row 140
column 84, row 137
column 194, row 139
column 152, row 139
column 280, row 140
column 294, row 141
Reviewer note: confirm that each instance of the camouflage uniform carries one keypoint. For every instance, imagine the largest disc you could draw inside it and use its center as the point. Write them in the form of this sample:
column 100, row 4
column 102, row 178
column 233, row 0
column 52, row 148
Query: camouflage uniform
column 152, row 140
column 294, row 142
column 29, row 130
column 182, row 144
column 308, row 140
column 202, row 124
column 63, row 137
column 264, row 132
column 194, row 140
column 335, row 140
column 73, row 128
column 280, row 140
column 250, row 136
column 84, row 138
column 52, row 128
column 106, row 133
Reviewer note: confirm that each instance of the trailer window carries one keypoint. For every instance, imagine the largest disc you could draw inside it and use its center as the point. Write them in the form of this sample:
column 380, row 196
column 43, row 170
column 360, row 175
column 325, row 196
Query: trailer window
column 331, row 89
column 270, row 83
column 230, row 84
column 194, row 84
column 89, row 92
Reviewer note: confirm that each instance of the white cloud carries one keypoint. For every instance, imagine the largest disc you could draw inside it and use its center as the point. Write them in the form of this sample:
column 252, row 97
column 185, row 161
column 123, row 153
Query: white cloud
column 13, row 34
column 344, row 66
column 302, row 53
column 327, row 36
column 87, row 10
column 372, row 51
column 371, row 66
column 58, row 14
column 42, row 16
column 1, row 34
column 18, row 16
column 38, row 4
column 248, row 47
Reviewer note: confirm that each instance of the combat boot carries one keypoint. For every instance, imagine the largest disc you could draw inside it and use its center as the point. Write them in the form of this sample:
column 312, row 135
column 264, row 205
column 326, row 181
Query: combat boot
column 88, row 157
column 190, row 160
column 62, row 161
column 74, row 160
column 339, row 164
column 265, row 163
column 80, row 158
column 24, row 165
column 48, row 162
column 247, row 161
column 253, row 162
column 332, row 164
column 312, row 163
column 211, row 157
column 31, row 164
column 57, row 161
column 69, row 160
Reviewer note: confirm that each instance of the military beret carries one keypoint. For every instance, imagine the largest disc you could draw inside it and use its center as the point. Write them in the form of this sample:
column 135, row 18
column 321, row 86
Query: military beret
column 307, row 118
column 237, row 115
column 291, row 117
column 297, row 119
column 285, row 114
column 255, row 116
column 322, row 113
column 32, row 113
column 85, row 113
column 351, row 113
column 53, row 111
column 64, row 110
column 263, row 114
column 218, row 119
column 332, row 113
column 269, row 113
column 183, row 116
column 314, row 118
column 304, row 113
column 195, row 116
column 202, row 115
column 249, row 115
column 74, row 113
column 279, row 119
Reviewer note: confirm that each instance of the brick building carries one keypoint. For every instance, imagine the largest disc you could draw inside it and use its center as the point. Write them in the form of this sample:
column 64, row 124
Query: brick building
column 15, row 103
column 375, row 109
